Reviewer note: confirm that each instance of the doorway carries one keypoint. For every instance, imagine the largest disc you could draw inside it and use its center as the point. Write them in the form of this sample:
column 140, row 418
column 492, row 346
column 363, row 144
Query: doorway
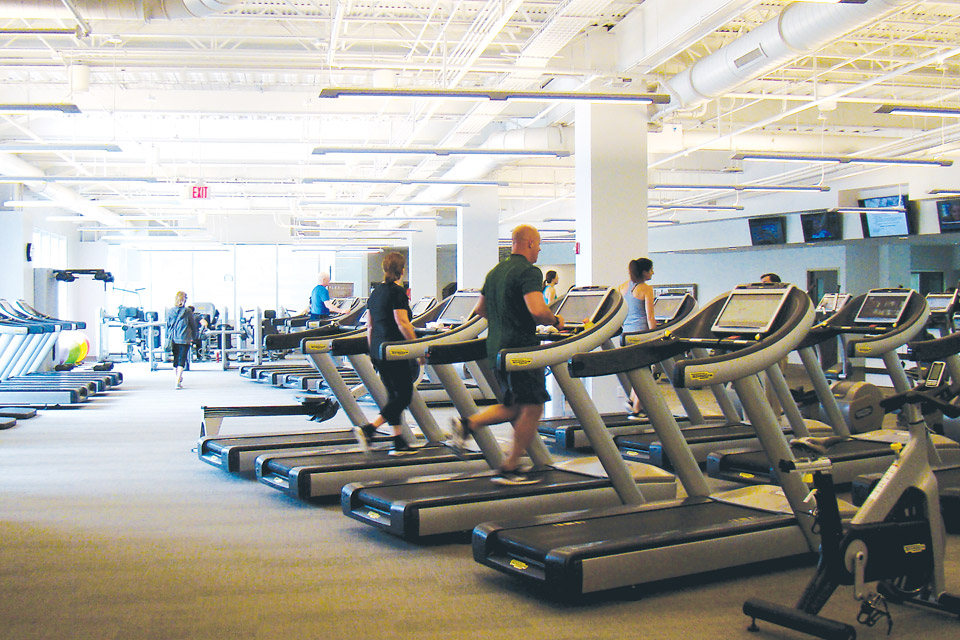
column 924, row 282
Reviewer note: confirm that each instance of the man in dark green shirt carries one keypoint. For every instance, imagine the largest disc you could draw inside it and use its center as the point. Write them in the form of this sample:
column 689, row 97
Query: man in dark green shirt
column 512, row 302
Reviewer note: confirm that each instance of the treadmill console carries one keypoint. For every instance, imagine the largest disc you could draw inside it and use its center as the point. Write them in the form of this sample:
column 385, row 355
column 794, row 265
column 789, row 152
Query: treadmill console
column 457, row 309
column 882, row 307
column 750, row 310
column 421, row 306
column 940, row 302
column 827, row 304
column 580, row 306
column 666, row 306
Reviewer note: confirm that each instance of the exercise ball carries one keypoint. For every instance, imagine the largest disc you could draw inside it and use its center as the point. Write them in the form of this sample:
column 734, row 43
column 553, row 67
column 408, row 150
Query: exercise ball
column 72, row 347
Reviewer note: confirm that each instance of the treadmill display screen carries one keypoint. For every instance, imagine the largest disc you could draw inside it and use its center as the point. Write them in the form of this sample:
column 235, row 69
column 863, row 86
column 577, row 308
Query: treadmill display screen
column 939, row 301
column 666, row 307
column 828, row 303
column 579, row 307
column 458, row 309
column 421, row 306
column 882, row 308
column 750, row 311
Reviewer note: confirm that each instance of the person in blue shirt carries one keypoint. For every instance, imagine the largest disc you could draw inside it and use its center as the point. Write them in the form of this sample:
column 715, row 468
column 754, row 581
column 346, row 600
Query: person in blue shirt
column 320, row 306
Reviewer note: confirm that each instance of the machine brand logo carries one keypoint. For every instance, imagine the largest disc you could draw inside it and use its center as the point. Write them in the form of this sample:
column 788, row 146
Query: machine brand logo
column 863, row 413
column 701, row 375
column 863, row 348
column 633, row 339
column 746, row 475
column 919, row 547
column 573, row 523
column 520, row 362
column 373, row 515
column 519, row 566
column 398, row 352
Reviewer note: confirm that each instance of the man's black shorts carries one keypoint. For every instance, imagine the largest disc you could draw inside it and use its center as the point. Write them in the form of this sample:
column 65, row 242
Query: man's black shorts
column 523, row 387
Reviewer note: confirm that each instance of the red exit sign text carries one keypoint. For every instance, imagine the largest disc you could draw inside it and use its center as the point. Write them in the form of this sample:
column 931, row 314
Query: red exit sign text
column 198, row 192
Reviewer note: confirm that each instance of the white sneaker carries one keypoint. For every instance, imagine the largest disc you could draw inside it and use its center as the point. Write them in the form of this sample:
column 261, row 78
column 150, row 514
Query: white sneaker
column 179, row 385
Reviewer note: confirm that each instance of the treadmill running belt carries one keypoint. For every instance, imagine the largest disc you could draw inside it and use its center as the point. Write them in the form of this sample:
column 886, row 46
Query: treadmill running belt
column 637, row 528
column 757, row 462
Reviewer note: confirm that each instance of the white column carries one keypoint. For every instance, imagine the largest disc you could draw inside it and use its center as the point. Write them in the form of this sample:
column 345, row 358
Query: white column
column 477, row 231
column 422, row 266
column 611, row 174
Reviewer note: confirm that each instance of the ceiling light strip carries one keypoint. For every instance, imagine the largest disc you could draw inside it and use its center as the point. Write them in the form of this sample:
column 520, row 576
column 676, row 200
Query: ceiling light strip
column 62, row 107
column 813, row 158
column 531, row 153
column 405, row 181
column 19, row 147
column 916, row 110
column 737, row 187
column 476, row 94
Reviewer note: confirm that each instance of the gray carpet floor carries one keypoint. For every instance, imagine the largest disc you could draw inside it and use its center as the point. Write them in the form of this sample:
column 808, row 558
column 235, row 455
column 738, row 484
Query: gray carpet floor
column 110, row 528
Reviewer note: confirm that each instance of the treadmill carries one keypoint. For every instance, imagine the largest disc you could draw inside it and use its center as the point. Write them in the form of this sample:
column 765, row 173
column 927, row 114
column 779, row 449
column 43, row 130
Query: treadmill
column 238, row 454
column 750, row 329
column 417, row 508
column 669, row 310
column 322, row 474
column 883, row 321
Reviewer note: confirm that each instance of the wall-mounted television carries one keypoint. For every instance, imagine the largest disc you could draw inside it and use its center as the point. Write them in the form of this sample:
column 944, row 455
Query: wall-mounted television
column 948, row 214
column 822, row 225
column 768, row 230
column 883, row 224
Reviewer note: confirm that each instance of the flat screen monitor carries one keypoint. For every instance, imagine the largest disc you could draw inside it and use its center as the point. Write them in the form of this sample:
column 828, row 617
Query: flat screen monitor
column 665, row 307
column 578, row 307
column 750, row 310
column 948, row 214
column 458, row 308
column 882, row 308
column 884, row 224
column 340, row 289
column 939, row 301
column 821, row 226
column 768, row 230
column 421, row 306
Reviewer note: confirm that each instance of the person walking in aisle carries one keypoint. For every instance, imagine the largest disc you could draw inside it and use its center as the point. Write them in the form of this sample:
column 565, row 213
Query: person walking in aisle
column 550, row 282
column 512, row 302
column 639, row 298
column 181, row 332
column 388, row 320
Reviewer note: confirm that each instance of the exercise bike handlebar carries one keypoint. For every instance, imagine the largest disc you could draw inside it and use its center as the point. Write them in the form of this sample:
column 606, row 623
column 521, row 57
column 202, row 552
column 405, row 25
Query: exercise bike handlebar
column 928, row 399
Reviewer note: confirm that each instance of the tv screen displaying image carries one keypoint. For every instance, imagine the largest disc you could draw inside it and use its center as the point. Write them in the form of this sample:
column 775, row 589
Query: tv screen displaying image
column 821, row 226
column 769, row 230
column 880, row 224
column 948, row 214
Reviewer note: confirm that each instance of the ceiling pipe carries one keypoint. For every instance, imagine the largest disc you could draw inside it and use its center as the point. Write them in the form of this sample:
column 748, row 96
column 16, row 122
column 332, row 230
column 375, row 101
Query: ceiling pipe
column 801, row 28
column 115, row 9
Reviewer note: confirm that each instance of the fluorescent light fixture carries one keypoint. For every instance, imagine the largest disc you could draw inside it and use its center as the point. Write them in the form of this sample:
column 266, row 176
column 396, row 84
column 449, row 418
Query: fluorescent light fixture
column 62, row 107
column 142, row 229
column 405, row 181
column 514, row 96
column 737, row 187
column 473, row 151
column 661, row 223
column 944, row 192
column 906, row 110
column 302, row 227
column 870, row 210
column 377, row 203
column 696, row 207
column 368, row 218
column 565, row 220
column 798, row 157
column 23, row 147
column 15, row 179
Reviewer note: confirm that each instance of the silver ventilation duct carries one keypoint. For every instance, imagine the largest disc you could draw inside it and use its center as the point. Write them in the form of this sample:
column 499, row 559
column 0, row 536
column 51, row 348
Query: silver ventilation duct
column 115, row 9
column 801, row 28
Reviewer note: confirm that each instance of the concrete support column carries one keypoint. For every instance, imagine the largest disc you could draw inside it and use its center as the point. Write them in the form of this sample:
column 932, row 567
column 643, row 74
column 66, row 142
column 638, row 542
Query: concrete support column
column 894, row 265
column 611, row 204
column 422, row 265
column 477, row 231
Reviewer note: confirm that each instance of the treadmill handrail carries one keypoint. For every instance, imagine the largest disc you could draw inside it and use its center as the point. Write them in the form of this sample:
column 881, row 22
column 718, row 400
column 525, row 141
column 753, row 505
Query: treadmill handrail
column 605, row 328
column 912, row 322
column 410, row 349
column 934, row 349
column 456, row 352
column 795, row 319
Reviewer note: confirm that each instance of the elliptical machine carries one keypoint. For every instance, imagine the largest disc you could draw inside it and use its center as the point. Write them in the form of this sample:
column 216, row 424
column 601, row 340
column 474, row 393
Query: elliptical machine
column 896, row 539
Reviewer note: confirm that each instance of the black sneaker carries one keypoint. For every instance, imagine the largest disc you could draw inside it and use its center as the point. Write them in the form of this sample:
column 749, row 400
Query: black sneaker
column 514, row 477
column 401, row 448
column 364, row 434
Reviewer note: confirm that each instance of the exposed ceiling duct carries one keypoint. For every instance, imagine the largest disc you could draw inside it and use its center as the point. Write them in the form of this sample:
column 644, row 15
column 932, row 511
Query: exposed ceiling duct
column 801, row 28
column 115, row 9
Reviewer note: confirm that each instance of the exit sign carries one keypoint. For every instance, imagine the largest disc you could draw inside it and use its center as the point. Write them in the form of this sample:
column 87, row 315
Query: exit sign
column 199, row 192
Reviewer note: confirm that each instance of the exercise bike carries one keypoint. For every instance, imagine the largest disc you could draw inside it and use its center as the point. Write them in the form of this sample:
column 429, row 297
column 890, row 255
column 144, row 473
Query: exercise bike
column 896, row 539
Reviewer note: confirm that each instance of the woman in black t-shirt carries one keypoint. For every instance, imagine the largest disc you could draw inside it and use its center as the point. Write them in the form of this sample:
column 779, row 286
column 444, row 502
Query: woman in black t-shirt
column 388, row 320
